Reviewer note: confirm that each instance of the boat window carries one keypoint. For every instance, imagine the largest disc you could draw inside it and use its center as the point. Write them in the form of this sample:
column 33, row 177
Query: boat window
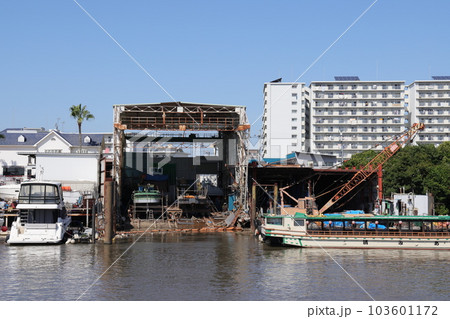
column 38, row 194
column 42, row 216
column 25, row 190
column 299, row 222
column 275, row 221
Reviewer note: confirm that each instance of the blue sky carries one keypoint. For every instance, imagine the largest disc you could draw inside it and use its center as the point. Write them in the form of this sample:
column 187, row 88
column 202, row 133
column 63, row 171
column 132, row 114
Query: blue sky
column 53, row 55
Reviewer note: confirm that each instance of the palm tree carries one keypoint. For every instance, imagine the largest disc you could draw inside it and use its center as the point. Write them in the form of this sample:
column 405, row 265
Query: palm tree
column 80, row 113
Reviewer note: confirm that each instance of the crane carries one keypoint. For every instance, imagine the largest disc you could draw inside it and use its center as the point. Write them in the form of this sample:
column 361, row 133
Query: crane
column 372, row 166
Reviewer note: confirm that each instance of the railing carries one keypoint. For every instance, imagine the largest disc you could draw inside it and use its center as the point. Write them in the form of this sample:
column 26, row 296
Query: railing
column 38, row 199
column 379, row 233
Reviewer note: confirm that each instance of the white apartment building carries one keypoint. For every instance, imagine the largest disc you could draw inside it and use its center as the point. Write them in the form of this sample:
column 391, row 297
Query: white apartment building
column 351, row 116
column 429, row 102
column 285, row 123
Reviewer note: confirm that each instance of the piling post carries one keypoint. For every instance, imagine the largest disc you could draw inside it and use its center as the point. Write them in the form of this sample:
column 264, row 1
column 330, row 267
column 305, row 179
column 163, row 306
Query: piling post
column 94, row 210
column 253, row 209
column 275, row 198
column 109, row 191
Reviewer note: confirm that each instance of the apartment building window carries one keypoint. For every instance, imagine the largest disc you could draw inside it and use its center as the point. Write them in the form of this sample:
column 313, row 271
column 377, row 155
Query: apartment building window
column 294, row 119
column 294, row 96
column 293, row 128
column 294, row 86
column 293, row 111
column 294, row 102
column 330, row 87
column 294, row 135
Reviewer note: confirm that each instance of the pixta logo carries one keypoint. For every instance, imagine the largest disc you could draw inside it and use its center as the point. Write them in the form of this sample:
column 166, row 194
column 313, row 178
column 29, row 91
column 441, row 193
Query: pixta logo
column 157, row 151
column 146, row 144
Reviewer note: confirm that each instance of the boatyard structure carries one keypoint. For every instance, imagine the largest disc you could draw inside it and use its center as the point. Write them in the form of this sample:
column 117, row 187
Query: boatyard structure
column 195, row 153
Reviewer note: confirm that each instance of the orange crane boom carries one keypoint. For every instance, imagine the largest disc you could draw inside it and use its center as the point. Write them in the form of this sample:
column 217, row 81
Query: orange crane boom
column 372, row 166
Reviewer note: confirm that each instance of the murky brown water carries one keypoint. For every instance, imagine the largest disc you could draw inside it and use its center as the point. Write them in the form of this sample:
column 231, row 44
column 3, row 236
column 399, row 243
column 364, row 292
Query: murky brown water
column 218, row 266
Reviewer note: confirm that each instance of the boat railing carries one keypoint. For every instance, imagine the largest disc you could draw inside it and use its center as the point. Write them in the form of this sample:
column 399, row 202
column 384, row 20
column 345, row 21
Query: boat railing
column 379, row 233
column 38, row 199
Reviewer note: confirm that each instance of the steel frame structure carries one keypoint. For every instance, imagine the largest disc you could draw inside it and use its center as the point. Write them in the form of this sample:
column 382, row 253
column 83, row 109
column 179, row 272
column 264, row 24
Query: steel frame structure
column 183, row 116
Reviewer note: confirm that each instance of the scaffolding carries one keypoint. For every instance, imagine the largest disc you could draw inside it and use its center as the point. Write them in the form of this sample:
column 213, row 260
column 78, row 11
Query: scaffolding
column 182, row 116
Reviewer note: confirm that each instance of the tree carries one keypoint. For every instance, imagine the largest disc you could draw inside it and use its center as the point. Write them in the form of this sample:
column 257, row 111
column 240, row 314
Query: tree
column 360, row 159
column 419, row 169
column 80, row 113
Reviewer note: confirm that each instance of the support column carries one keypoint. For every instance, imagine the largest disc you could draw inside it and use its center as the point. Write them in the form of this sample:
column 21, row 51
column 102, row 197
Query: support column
column 253, row 209
column 109, row 218
column 380, row 185
column 275, row 199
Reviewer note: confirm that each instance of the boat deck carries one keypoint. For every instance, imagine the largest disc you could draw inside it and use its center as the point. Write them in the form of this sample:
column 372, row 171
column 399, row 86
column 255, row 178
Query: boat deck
column 380, row 233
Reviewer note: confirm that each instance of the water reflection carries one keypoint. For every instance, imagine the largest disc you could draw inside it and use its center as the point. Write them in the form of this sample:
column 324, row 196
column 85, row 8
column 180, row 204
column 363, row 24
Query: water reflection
column 220, row 266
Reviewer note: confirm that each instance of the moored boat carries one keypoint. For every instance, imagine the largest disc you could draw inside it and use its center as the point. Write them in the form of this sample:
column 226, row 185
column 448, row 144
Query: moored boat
column 9, row 191
column 357, row 231
column 42, row 215
column 146, row 195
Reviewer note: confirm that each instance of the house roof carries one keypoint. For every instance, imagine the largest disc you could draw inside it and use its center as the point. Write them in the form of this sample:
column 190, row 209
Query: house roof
column 32, row 137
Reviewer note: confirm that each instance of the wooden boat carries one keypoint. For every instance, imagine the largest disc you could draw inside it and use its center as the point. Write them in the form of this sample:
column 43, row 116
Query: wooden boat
column 357, row 231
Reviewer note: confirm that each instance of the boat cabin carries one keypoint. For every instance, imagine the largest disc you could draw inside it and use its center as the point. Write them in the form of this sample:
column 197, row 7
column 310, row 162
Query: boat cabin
column 41, row 203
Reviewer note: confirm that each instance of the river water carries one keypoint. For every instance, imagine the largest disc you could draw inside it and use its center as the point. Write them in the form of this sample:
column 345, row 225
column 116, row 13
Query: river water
column 218, row 266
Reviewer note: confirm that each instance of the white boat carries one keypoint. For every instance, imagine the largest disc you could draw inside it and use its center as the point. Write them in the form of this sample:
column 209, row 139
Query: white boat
column 9, row 191
column 42, row 215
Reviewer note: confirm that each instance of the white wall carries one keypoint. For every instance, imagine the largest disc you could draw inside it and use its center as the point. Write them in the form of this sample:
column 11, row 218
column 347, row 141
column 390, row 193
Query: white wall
column 11, row 158
column 279, row 112
column 67, row 167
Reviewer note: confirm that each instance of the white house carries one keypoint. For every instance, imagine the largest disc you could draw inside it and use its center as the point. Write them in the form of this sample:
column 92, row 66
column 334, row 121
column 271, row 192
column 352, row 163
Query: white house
column 53, row 155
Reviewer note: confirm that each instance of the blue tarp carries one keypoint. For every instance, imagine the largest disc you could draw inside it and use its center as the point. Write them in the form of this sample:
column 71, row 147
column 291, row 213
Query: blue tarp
column 156, row 178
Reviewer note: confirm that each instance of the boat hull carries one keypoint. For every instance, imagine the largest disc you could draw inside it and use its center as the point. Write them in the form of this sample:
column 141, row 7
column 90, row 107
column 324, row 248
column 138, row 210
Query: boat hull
column 305, row 241
column 33, row 234
column 9, row 192
column 146, row 200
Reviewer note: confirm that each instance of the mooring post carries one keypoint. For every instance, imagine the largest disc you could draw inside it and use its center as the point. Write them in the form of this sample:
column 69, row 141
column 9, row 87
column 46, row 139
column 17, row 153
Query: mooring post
column 253, row 209
column 108, row 212
column 275, row 199
column 94, row 209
